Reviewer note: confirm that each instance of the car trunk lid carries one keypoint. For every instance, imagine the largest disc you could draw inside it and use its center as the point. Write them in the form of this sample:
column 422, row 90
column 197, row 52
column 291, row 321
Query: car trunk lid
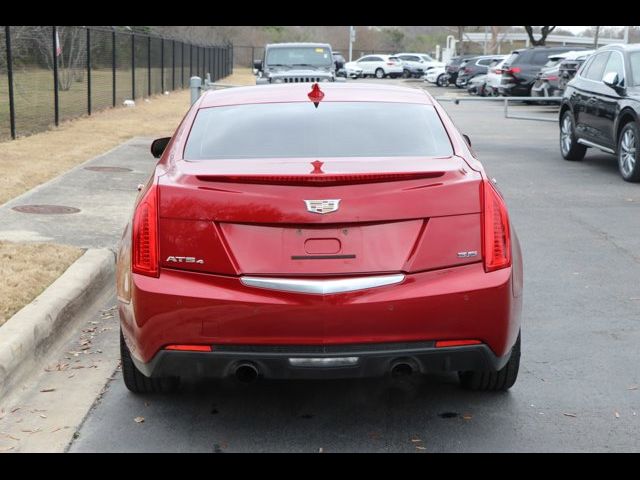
column 302, row 217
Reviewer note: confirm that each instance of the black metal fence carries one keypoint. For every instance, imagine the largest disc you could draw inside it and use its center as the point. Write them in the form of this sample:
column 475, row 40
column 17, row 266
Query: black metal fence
column 54, row 73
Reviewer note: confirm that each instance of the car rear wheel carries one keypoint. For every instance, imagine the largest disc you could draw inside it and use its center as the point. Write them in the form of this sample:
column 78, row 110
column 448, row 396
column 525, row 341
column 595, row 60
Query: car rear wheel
column 137, row 382
column 569, row 146
column 379, row 73
column 406, row 73
column 629, row 152
column 501, row 380
column 440, row 80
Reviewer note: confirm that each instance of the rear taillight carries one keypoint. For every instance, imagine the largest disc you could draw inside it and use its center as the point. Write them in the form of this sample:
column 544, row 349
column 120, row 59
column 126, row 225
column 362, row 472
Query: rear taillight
column 496, row 238
column 467, row 70
column 391, row 63
column 512, row 70
column 498, row 71
column 551, row 78
column 145, row 234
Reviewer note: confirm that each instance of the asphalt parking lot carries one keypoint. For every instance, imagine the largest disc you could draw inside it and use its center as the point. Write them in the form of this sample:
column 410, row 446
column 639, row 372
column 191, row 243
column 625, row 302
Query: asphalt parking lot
column 579, row 383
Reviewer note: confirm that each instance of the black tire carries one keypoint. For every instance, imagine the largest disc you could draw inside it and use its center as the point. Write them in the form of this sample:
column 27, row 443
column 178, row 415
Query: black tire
column 137, row 382
column 570, row 149
column 440, row 80
column 380, row 73
column 629, row 162
column 406, row 74
column 501, row 380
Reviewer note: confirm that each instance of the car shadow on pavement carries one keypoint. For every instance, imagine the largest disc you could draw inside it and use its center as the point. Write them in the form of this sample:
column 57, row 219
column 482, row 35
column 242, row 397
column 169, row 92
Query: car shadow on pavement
column 377, row 414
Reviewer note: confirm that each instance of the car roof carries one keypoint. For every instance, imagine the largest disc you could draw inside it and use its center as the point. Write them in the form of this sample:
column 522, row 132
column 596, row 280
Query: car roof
column 297, row 44
column 334, row 92
column 630, row 47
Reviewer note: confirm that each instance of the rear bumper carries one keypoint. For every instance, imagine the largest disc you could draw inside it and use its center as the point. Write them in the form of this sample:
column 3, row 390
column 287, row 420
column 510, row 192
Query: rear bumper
column 372, row 360
column 190, row 308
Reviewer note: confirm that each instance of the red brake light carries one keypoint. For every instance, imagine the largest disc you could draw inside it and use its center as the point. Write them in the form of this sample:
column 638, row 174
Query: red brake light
column 513, row 70
column 498, row 71
column 550, row 77
column 496, row 238
column 145, row 234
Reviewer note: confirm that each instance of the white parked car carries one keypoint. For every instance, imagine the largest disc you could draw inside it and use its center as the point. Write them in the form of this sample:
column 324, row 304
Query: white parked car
column 494, row 76
column 419, row 61
column 435, row 75
column 353, row 71
column 379, row 66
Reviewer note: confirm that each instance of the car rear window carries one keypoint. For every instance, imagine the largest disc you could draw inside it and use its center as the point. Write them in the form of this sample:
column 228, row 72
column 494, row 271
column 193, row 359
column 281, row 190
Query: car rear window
column 334, row 129
column 634, row 62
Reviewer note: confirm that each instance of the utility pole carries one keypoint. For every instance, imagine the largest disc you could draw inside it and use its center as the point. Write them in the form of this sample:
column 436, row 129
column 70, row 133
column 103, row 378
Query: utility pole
column 595, row 39
column 626, row 34
column 352, row 38
column 486, row 38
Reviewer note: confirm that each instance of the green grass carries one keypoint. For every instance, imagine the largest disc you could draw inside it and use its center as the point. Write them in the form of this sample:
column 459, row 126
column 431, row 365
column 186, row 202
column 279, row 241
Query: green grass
column 34, row 95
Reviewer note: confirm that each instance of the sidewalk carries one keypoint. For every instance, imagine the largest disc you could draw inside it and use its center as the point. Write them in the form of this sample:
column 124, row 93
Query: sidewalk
column 104, row 200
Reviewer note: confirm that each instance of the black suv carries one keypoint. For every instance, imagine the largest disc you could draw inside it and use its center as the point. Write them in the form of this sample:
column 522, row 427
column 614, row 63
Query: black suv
column 521, row 68
column 452, row 69
column 601, row 108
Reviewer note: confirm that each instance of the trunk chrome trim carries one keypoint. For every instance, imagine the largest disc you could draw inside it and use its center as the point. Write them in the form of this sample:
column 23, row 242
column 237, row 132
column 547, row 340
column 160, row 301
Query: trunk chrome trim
column 321, row 287
column 588, row 143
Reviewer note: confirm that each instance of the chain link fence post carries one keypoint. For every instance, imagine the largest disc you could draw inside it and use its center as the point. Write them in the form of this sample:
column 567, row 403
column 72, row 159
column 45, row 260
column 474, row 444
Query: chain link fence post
column 133, row 66
column 12, row 107
column 56, row 99
column 113, row 66
column 88, row 71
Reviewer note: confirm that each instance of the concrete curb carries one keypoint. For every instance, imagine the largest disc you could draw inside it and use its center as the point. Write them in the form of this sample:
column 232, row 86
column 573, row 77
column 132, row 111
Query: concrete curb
column 27, row 337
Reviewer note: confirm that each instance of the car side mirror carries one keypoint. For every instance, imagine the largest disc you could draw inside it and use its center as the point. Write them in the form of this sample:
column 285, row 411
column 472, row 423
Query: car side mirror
column 611, row 79
column 467, row 139
column 257, row 64
column 158, row 146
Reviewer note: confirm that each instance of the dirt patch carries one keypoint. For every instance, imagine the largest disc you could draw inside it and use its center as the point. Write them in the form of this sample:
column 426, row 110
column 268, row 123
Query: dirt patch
column 31, row 161
column 26, row 270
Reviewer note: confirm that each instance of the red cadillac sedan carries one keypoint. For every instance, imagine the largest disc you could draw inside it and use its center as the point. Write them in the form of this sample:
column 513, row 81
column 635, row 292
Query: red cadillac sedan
column 318, row 231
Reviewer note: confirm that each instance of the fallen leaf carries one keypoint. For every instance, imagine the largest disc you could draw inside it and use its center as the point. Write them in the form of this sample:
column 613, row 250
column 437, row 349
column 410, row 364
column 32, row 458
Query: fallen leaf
column 616, row 414
column 47, row 390
column 14, row 410
column 42, row 415
column 634, row 387
column 72, row 375
column 138, row 419
column 6, row 449
column 467, row 416
column 55, row 430
column 36, row 430
column 420, row 448
column 416, row 440
column 8, row 435
column 569, row 414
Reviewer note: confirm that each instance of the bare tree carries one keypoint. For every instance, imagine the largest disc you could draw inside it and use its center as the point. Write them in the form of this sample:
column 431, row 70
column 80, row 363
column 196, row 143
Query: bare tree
column 71, row 61
column 544, row 33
